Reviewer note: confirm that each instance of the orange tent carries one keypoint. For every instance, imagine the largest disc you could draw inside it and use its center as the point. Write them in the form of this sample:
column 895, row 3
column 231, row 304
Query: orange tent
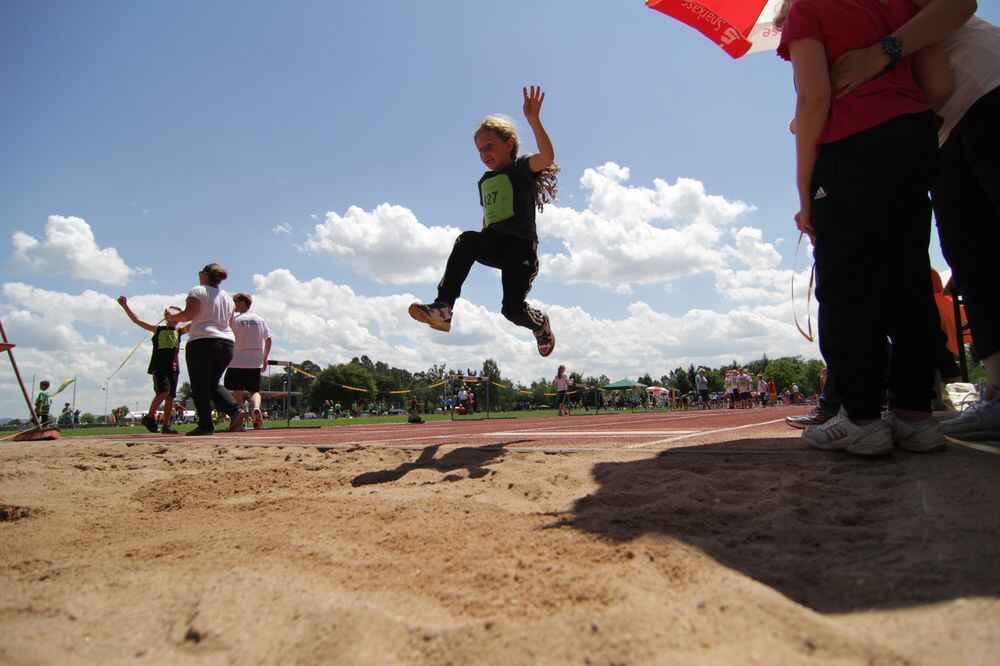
column 946, row 306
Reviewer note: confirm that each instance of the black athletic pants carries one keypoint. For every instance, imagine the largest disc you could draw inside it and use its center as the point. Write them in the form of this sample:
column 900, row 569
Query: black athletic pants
column 207, row 359
column 873, row 276
column 967, row 207
column 517, row 260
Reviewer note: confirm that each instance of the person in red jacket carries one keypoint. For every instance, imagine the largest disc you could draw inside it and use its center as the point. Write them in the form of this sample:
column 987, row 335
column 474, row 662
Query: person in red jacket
column 864, row 165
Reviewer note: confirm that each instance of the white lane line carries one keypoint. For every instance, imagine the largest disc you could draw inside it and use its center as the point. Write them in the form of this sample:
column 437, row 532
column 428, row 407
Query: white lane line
column 583, row 433
column 563, row 426
column 527, row 434
column 703, row 432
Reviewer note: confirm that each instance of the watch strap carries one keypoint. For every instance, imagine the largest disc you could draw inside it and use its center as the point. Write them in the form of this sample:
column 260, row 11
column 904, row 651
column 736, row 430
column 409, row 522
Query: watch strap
column 892, row 47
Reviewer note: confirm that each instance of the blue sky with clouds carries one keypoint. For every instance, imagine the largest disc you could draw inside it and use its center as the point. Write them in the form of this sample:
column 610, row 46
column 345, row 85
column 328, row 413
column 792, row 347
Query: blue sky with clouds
column 322, row 152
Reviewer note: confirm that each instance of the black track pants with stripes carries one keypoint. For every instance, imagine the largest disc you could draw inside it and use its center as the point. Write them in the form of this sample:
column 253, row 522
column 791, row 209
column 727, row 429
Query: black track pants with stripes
column 517, row 259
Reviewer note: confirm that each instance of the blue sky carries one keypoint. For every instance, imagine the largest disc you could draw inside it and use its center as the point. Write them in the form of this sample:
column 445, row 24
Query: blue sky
column 322, row 152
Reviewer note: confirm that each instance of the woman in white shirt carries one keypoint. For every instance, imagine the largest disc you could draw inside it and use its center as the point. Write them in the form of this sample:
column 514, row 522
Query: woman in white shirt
column 209, row 349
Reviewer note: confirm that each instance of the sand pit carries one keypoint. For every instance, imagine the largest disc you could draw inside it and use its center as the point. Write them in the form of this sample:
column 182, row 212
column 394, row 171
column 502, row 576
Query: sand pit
column 744, row 548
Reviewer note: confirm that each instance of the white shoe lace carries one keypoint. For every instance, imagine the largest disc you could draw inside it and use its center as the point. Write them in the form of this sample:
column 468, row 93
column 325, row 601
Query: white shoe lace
column 990, row 399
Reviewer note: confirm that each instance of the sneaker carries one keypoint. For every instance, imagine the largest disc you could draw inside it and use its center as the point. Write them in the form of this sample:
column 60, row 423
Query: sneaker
column 814, row 418
column 842, row 434
column 236, row 421
column 258, row 420
column 545, row 338
column 916, row 436
column 198, row 432
column 149, row 422
column 980, row 421
column 168, row 430
column 436, row 315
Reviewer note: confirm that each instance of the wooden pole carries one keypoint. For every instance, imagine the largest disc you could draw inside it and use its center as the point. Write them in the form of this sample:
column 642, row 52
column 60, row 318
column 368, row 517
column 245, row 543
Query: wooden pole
column 17, row 373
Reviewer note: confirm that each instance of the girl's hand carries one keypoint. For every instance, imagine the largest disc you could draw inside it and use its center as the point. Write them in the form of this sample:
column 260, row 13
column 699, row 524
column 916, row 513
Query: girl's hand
column 122, row 301
column 855, row 67
column 533, row 102
column 803, row 220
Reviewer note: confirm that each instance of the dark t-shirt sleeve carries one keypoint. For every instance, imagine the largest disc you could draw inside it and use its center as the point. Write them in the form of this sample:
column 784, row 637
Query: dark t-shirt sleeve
column 803, row 22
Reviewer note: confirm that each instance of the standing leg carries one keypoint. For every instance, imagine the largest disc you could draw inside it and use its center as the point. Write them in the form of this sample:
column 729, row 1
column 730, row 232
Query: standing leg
column 967, row 207
column 913, row 321
column 220, row 358
column 199, row 374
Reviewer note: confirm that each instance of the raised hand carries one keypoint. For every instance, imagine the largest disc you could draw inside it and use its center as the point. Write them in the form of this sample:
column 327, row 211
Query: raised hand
column 533, row 102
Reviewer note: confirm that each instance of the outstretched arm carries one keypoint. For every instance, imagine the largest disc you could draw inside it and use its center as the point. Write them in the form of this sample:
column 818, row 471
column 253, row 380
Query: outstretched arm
column 532, row 109
column 936, row 21
column 191, row 308
column 122, row 301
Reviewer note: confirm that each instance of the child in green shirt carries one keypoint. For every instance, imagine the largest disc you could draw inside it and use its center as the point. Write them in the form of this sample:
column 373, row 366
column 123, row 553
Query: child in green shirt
column 43, row 403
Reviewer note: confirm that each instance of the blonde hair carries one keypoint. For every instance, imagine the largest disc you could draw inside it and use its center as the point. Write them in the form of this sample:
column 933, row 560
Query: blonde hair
column 781, row 15
column 504, row 127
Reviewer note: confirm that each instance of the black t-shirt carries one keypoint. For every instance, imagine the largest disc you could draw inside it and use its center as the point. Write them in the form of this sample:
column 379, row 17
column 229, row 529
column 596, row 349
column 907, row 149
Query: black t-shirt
column 508, row 199
column 166, row 347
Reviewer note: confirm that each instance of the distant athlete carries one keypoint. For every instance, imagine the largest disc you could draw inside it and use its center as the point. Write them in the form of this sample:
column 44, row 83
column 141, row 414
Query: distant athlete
column 43, row 403
column 510, row 192
column 250, row 352
column 164, row 366
column 561, row 382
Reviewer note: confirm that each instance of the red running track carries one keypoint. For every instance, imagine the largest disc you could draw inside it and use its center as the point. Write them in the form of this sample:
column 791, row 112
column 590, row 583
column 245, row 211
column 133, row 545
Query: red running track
column 619, row 431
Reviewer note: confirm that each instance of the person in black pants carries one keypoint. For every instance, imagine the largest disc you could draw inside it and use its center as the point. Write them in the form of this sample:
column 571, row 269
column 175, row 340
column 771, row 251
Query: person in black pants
column 864, row 166
column 209, row 349
column 510, row 192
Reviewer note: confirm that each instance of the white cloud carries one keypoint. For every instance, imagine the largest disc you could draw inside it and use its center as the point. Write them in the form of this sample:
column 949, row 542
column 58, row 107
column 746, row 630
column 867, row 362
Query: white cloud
column 70, row 248
column 626, row 236
column 760, row 280
column 327, row 322
column 632, row 235
column 283, row 228
column 61, row 335
column 387, row 244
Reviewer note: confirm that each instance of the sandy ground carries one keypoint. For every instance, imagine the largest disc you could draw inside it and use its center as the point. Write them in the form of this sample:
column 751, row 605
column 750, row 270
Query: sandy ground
column 746, row 550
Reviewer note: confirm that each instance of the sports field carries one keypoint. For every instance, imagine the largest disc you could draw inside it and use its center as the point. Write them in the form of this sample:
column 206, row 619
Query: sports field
column 646, row 538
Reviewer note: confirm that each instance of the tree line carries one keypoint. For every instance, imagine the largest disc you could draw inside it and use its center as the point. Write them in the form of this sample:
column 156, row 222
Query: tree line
column 366, row 383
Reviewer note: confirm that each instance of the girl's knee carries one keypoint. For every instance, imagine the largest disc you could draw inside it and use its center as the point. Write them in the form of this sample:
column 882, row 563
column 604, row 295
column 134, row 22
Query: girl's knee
column 513, row 313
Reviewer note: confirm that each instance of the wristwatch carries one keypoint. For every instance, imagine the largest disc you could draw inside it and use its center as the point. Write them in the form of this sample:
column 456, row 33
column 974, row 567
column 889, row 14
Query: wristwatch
column 892, row 47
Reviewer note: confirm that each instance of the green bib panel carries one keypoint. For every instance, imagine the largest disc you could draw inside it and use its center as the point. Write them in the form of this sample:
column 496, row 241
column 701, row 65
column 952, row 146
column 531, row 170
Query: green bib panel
column 167, row 339
column 498, row 198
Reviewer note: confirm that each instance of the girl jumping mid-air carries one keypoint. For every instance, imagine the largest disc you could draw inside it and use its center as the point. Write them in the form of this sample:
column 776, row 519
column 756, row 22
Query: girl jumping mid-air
column 509, row 193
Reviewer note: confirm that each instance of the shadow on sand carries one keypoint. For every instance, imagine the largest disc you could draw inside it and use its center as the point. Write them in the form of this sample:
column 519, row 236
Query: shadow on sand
column 469, row 458
column 830, row 531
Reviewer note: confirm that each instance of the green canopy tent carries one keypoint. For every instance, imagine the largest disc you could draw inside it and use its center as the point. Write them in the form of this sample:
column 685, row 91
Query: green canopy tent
column 624, row 384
